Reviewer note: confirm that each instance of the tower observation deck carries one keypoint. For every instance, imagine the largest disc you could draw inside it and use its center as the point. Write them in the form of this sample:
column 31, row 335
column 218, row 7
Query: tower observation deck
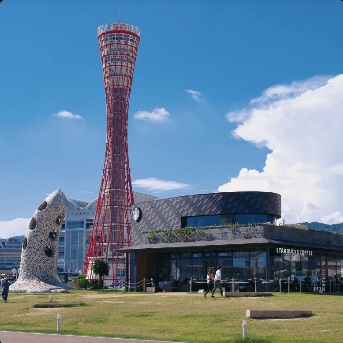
column 118, row 43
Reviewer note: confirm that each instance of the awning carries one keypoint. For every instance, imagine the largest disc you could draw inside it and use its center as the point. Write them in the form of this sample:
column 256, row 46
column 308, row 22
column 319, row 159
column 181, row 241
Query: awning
column 204, row 245
column 217, row 244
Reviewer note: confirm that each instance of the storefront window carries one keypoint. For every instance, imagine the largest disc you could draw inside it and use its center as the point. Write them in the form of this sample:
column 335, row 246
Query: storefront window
column 186, row 269
column 258, row 264
column 240, row 265
column 197, row 273
column 301, row 263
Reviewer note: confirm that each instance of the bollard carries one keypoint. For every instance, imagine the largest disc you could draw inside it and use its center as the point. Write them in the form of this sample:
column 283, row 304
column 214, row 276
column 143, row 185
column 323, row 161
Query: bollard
column 58, row 323
column 50, row 298
column 244, row 327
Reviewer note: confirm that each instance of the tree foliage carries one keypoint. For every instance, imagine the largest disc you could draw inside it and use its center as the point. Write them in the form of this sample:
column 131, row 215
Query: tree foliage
column 82, row 281
column 102, row 268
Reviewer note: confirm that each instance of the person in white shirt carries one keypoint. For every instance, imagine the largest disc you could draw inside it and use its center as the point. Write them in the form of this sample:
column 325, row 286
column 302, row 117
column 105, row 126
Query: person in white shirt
column 218, row 281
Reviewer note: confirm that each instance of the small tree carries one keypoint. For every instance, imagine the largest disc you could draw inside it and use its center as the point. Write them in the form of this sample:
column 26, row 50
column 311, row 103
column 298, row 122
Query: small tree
column 82, row 281
column 101, row 267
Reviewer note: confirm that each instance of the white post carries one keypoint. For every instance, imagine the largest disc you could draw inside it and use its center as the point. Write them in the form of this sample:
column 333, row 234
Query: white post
column 58, row 323
column 244, row 327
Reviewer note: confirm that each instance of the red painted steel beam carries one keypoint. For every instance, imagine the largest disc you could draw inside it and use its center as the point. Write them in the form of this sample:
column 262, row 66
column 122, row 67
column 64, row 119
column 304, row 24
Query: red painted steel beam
column 118, row 43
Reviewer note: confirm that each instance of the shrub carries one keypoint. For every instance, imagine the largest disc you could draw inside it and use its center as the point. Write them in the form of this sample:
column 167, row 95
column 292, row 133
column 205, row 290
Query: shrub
column 82, row 281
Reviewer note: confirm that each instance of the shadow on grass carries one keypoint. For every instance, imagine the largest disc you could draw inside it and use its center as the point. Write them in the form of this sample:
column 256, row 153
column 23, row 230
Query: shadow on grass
column 54, row 304
column 250, row 339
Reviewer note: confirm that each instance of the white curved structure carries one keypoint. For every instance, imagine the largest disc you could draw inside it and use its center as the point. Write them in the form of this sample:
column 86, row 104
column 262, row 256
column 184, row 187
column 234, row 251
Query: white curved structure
column 38, row 267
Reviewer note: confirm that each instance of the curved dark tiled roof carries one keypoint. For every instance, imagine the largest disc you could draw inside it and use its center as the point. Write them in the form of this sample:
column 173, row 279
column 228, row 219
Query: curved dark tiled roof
column 167, row 213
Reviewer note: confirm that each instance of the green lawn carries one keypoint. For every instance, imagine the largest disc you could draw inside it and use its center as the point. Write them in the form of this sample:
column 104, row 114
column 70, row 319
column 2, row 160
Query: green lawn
column 177, row 316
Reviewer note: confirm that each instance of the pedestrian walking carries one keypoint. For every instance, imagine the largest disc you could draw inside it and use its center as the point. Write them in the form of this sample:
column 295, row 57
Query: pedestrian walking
column 210, row 281
column 218, row 282
column 5, row 288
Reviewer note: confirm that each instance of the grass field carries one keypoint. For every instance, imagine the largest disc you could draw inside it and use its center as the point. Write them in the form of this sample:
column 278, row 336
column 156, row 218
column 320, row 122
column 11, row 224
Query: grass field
column 187, row 317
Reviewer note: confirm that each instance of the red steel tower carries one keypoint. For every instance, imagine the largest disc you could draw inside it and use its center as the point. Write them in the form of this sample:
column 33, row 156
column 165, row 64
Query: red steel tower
column 118, row 43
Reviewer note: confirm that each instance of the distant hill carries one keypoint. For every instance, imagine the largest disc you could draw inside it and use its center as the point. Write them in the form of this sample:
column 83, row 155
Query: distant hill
column 324, row 227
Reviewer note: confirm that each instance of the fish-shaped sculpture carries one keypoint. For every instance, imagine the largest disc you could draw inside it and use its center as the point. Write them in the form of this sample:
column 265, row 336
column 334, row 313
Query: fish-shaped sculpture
column 39, row 256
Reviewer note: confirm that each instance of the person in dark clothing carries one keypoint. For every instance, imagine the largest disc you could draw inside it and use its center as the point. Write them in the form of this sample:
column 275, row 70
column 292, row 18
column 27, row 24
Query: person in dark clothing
column 5, row 289
column 210, row 281
column 307, row 283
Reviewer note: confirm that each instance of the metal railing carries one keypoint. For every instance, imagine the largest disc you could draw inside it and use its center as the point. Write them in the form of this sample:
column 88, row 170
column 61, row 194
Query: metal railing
column 233, row 285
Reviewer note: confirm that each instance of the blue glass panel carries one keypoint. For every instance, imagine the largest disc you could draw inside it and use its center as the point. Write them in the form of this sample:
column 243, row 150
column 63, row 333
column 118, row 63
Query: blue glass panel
column 216, row 220
column 253, row 218
column 73, row 224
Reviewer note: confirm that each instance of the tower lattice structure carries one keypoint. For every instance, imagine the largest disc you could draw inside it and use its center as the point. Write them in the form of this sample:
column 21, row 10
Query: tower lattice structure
column 118, row 43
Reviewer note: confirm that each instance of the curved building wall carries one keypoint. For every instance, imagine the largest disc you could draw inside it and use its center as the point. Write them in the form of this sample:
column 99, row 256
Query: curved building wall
column 168, row 213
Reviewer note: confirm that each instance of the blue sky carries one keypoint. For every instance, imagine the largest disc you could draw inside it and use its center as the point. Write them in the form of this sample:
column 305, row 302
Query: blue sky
column 227, row 95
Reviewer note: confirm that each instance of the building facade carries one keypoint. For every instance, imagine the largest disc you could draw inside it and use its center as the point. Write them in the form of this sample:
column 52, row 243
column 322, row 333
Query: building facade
column 182, row 237
column 76, row 232
column 10, row 254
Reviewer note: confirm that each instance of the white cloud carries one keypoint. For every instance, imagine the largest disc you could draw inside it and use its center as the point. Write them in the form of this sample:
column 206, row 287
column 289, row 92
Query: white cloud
column 157, row 114
column 157, row 185
column 302, row 125
column 195, row 94
column 15, row 227
column 67, row 115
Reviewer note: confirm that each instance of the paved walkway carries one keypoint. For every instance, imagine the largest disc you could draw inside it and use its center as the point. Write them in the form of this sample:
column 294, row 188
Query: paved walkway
column 28, row 337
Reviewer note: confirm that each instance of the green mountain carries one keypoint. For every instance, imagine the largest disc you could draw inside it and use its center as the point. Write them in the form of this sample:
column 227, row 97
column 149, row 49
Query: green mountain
column 324, row 227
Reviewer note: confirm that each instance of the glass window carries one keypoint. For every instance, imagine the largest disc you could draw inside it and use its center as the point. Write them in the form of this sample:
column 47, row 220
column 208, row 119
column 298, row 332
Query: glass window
column 224, row 253
column 73, row 224
column 199, row 221
column 216, row 220
column 74, row 250
column 253, row 218
column 240, row 265
column 186, row 269
column 226, row 263
column 258, row 264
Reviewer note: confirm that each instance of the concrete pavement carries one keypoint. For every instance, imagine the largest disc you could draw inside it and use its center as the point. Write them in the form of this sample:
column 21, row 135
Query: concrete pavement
column 29, row 337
